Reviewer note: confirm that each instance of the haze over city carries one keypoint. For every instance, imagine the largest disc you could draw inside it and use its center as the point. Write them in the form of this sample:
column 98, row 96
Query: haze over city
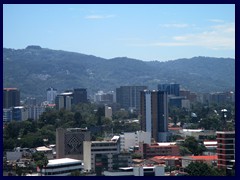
column 145, row 32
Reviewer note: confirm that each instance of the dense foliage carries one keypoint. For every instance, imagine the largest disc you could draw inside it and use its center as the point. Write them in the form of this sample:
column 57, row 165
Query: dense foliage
column 203, row 169
column 32, row 134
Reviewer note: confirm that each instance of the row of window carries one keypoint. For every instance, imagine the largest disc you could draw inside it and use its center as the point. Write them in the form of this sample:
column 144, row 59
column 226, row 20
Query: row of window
column 95, row 150
column 59, row 172
column 62, row 166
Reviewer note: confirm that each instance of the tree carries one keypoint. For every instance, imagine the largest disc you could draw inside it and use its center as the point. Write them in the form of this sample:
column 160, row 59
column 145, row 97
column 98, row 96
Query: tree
column 79, row 119
column 193, row 145
column 202, row 169
column 40, row 160
column 184, row 151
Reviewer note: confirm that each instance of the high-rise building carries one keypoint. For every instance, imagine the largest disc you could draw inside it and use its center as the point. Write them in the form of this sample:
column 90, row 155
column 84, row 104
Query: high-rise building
column 69, row 142
column 129, row 97
column 51, row 95
column 19, row 113
column 104, row 98
column 226, row 149
column 34, row 112
column 80, row 96
column 11, row 97
column 64, row 101
column 171, row 89
column 154, row 114
column 30, row 101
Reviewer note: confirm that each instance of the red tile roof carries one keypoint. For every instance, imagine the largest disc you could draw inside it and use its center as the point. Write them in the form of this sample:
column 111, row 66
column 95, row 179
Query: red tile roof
column 167, row 157
column 214, row 157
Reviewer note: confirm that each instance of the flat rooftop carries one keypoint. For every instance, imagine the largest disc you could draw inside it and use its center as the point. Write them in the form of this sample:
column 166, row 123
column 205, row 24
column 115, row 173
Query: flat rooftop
column 62, row 161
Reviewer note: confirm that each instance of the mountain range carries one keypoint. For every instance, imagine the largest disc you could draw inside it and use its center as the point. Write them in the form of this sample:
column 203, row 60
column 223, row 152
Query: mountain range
column 34, row 69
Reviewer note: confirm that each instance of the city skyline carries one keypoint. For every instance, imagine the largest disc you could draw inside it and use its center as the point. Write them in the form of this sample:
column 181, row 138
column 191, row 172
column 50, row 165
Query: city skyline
column 145, row 32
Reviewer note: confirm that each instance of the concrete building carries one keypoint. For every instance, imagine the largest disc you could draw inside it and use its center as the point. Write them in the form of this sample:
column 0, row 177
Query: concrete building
column 158, row 149
column 225, row 149
column 196, row 133
column 48, row 152
column 35, row 111
column 100, row 155
column 129, row 97
column 173, row 161
column 62, row 167
column 211, row 160
column 104, row 98
column 51, row 95
column 14, row 156
column 131, row 139
column 11, row 97
column 137, row 171
column 64, row 101
column 30, row 101
column 108, row 112
column 154, row 114
column 69, row 142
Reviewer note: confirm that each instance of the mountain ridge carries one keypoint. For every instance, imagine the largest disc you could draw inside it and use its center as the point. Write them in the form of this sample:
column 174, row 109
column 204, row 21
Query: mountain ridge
column 34, row 69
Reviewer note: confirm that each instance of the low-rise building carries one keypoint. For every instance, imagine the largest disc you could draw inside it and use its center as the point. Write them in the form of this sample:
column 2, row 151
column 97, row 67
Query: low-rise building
column 167, row 160
column 197, row 133
column 211, row 160
column 159, row 149
column 132, row 139
column 104, row 155
column 61, row 167
column 137, row 171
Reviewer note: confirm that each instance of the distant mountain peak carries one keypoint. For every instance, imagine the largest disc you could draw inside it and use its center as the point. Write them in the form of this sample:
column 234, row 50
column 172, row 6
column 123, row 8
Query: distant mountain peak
column 35, row 47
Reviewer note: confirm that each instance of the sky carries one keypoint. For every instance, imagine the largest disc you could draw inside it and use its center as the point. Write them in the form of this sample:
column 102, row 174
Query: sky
column 141, row 31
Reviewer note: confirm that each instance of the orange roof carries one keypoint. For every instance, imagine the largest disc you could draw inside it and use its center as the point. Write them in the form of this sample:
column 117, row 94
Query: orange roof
column 214, row 157
column 174, row 128
column 166, row 157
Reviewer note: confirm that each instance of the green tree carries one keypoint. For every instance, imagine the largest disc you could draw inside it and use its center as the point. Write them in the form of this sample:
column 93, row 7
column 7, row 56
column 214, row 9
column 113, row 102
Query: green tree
column 40, row 160
column 184, row 151
column 202, row 169
column 193, row 145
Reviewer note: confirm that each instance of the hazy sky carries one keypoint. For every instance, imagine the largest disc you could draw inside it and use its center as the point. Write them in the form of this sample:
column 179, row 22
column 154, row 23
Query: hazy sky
column 146, row 32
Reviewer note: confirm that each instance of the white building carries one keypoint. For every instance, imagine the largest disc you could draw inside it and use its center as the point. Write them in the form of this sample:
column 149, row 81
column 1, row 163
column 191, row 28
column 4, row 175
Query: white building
column 137, row 171
column 131, row 139
column 197, row 133
column 61, row 167
column 51, row 95
column 93, row 152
